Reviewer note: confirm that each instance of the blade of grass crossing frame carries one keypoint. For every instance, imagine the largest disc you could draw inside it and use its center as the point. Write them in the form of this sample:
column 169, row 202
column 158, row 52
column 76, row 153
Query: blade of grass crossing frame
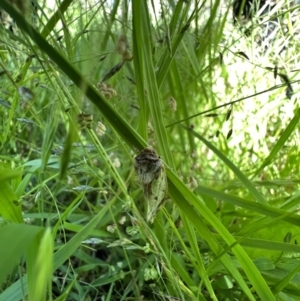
column 177, row 18
column 166, row 58
column 49, row 135
column 139, row 70
column 264, row 244
column 55, row 17
column 280, row 143
column 66, row 155
column 176, row 85
column 264, row 209
column 111, row 20
column 191, row 235
column 139, row 8
column 257, row 196
column 40, row 266
column 151, row 85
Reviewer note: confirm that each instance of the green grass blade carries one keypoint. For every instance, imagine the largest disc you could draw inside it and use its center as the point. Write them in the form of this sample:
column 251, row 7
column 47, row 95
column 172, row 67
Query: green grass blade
column 257, row 196
column 39, row 266
column 9, row 204
column 250, row 205
column 280, row 143
column 138, row 61
column 166, row 58
column 56, row 17
column 49, row 135
column 150, row 79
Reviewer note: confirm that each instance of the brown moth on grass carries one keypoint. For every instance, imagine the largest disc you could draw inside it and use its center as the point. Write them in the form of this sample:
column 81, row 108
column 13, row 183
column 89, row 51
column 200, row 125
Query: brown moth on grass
column 151, row 173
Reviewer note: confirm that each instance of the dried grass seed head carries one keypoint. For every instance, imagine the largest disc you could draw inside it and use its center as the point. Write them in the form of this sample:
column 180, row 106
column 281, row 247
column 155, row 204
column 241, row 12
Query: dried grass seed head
column 173, row 104
column 100, row 129
column 85, row 120
column 122, row 45
column 106, row 90
column 26, row 93
column 122, row 49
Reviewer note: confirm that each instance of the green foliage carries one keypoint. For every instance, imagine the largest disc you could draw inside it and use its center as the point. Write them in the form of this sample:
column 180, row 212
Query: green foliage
column 217, row 106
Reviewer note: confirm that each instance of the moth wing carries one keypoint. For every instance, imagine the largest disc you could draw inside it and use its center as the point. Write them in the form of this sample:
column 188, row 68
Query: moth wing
column 156, row 194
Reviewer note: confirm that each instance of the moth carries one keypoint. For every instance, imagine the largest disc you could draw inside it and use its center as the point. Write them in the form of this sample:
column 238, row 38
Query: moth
column 151, row 174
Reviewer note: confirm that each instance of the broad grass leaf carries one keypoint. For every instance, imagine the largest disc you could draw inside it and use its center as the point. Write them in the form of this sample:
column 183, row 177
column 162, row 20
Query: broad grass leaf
column 9, row 174
column 10, row 207
column 263, row 209
column 275, row 233
column 264, row 264
column 15, row 239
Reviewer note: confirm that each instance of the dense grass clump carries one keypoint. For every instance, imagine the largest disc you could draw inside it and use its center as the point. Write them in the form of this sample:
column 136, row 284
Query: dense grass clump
column 149, row 151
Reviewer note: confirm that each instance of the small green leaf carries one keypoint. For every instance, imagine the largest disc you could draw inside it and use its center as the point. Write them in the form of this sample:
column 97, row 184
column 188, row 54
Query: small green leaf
column 10, row 208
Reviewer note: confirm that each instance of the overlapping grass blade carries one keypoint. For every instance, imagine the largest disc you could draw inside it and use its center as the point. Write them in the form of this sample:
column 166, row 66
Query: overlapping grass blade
column 280, row 143
column 263, row 209
column 258, row 197
column 180, row 193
